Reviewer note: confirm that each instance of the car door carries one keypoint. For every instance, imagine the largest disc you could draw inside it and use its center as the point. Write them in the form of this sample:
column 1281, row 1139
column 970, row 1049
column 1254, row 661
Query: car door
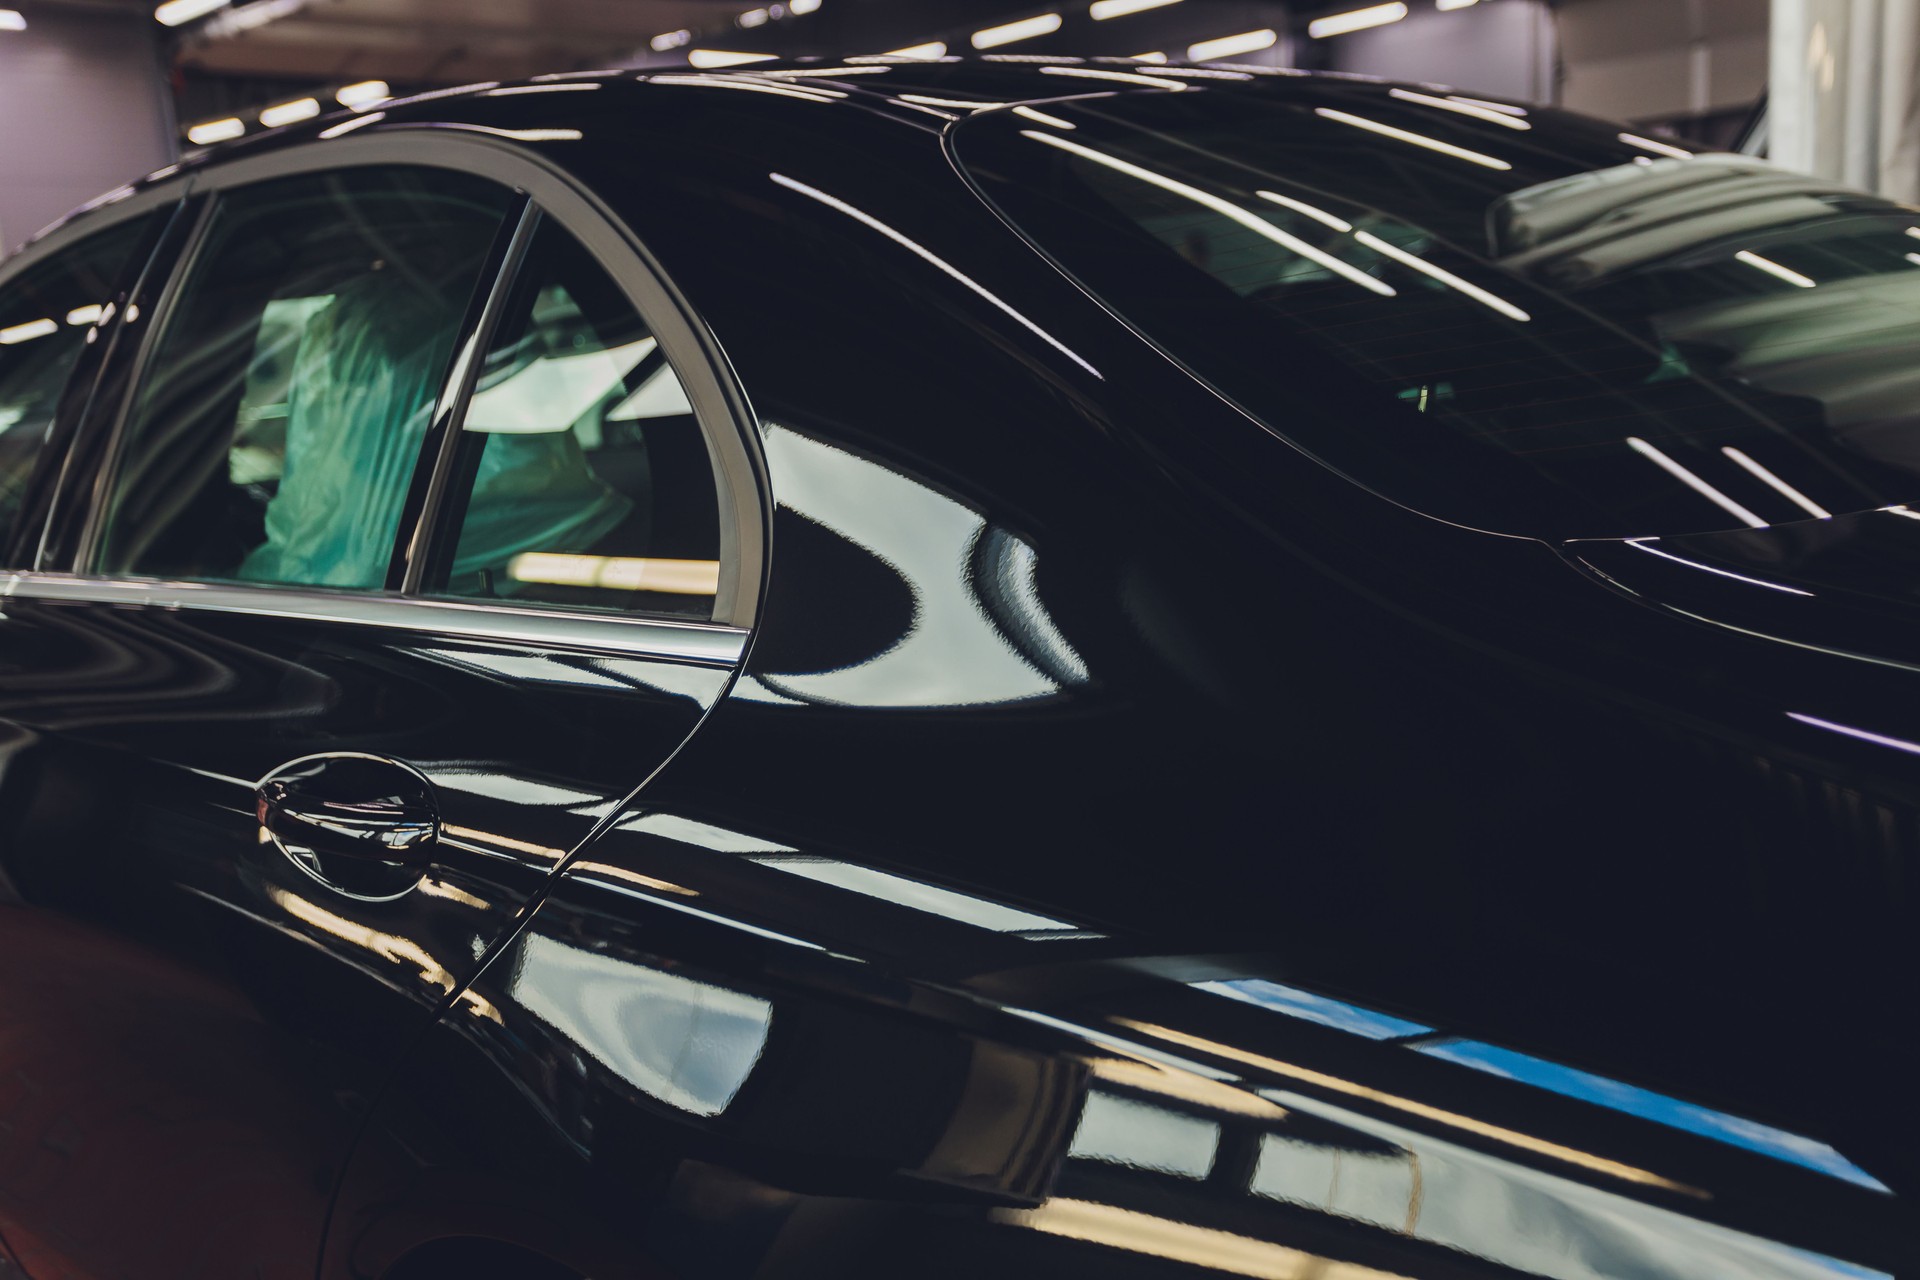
column 418, row 540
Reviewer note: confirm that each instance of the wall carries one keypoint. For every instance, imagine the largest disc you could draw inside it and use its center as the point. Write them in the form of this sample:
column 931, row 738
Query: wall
column 1662, row 60
column 83, row 109
column 1501, row 48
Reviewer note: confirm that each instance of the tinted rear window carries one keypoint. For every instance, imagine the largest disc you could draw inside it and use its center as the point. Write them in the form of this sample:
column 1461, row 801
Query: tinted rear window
column 1517, row 319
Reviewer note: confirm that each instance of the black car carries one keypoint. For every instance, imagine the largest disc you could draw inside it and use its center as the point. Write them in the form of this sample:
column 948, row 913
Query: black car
column 1032, row 667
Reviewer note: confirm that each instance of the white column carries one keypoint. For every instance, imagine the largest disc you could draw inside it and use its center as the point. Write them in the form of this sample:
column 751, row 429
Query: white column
column 1844, row 92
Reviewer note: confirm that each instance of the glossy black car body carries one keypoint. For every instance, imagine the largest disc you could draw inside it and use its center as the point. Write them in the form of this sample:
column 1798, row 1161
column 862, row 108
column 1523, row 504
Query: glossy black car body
column 1101, row 839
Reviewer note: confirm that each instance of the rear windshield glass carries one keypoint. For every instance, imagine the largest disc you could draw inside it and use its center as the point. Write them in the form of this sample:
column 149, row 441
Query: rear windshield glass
column 1514, row 318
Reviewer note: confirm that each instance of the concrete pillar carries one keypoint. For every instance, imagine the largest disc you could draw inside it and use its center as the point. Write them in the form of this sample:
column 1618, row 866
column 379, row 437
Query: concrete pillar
column 84, row 108
column 1844, row 92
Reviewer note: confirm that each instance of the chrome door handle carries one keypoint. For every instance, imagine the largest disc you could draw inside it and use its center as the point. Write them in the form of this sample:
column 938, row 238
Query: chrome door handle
column 350, row 806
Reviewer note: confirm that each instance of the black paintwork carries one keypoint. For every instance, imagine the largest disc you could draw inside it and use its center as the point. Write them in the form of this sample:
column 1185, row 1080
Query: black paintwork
column 1072, row 689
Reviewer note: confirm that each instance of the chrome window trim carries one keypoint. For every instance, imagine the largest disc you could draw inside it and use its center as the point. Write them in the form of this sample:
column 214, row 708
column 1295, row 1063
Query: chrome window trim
column 629, row 635
column 720, row 405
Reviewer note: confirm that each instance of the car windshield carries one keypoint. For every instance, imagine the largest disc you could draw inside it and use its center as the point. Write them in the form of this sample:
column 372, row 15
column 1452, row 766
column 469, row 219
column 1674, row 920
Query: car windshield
column 1514, row 318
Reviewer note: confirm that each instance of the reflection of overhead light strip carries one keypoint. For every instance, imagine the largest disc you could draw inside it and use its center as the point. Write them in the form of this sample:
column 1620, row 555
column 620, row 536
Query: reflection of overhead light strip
column 1319, row 1079
column 1908, row 512
column 754, row 18
column 961, row 103
column 1504, row 108
column 914, row 895
column 810, row 93
column 1780, row 486
column 1447, row 6
column 290, row 112
column 1914, row 232
column 707, row 59
column 1009, row 32
column 1198, row 73
column 386, row 945
column 1232, row 46
column 1301, row 206
column 212, row 131
column 634, row 877
column 1417, row 139
column 1694, row 482
column 1478, row 112
column 1639, row 544
column 85, row 315
column 1225, row 208
column 1184, row 1086
column 358, row 122
column 1176, row 1241
column 928, row 256
column 1153, row 55
column 801, row 73
column 1656, row 146
column 16, row 334
column 1101, row 10
column 1914, row 258
column 617, row 573
column 931, row 49
column 176, row 12
column 1122, row 77
column 1775, row 270
column 1878, row 739
column 1035, row 114
column 363, row 93
column 12, row 20
column 670, row 40
column 520, row 90
column 520, row 135
column 1338, row 24
column 1447, row 278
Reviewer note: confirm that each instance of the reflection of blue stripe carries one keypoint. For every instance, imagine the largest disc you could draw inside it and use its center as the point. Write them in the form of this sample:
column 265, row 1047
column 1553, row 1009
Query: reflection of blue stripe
column 1304, row 1004
column 1718, row 1125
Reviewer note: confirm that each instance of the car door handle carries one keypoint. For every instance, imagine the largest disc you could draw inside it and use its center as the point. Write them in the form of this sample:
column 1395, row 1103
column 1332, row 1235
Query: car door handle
column 350, row 806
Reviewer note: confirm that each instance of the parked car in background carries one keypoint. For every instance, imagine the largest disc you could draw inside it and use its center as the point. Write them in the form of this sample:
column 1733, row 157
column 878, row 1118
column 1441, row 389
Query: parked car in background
column 1029, row 667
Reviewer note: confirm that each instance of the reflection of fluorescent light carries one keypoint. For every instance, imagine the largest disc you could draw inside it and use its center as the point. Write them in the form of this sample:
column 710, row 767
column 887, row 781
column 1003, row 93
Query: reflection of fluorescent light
column 1447, row 278
column 1153, row 55
column 1176, row 1241
column 175, row 12
column 1775, row 270
column 1417, row 139
column 1446, row 5
column 706, row 58
column 670, row 40
column 12, row 20
column 927, row 255
column 808, row 92
column 617, row 573
column 85, row 315
column 801, row 8
column 1101, row 10
column 1504, row 108
column 1226, row 209
column 1878, row 739
column 290, row 112
column 1786, row 490
column 363, row 94
column 1694, row 482
column 754, row 18
column 1914, row 258
column 1338, row 24
column 522, row 90
column 348, row 126
column 962, row 104
column 1301, row 206
column 1008, row 33
column 1658, row 148
column 1914, row 232
column 1232, row 46
column 1042, row 117
column 1639, row 544
column 931, row 49
column 216, row 131
column 521, row 135
column 1171, row 1082
column 1473, row 109
column 1124, row 77
column 27, row 332
column 915, row 895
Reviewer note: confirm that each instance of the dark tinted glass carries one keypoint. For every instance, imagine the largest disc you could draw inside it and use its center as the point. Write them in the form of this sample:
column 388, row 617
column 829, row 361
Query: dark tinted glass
column 281, row 418
column 46, row 314
column 583, row 478
column 1518, row 319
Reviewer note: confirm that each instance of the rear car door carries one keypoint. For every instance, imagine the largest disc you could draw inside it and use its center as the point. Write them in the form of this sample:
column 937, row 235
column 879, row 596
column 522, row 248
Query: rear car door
column 419, row 540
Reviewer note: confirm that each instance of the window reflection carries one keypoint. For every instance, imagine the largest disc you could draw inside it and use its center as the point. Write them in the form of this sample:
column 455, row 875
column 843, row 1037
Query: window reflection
column 1141, row 1135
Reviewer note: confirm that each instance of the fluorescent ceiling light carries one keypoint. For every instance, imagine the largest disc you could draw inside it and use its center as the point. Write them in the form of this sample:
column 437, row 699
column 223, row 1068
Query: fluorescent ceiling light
column 27, row 332
column 1446, row 5
column 1658, row 148
column 931, row 49
column 1478, row 112
column 290, row 112
column 706, row 59
column 213, row 131
column 1338, row 24
column 363, row 94
column 1417, row 139
column 1775, row 270
column 12, row 20
column 1232, row 46
column 1025, row 29
column 802, row 8
column 85, row 315
column 755, row 18
column 670, row 40
column 1101, row 10
column 175, row 12
column 1151, row 56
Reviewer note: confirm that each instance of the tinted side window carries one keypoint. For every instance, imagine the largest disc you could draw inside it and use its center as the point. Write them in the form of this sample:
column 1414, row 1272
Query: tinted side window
column 45, row 316
column 281, row 417
column 583, row 478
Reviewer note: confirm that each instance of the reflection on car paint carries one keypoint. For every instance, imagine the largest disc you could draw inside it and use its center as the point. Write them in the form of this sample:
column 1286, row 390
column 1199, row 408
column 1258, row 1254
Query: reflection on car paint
column 915, row 894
